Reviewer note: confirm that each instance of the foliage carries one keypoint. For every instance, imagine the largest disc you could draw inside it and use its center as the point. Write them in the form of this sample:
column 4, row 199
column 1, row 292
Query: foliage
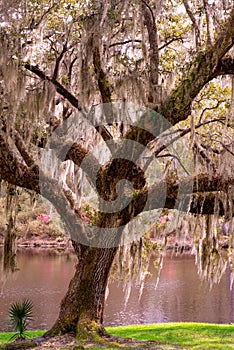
column 20, row 314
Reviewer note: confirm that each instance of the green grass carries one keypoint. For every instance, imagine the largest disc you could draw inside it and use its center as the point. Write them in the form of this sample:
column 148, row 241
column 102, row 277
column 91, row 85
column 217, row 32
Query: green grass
column 195, row 336
column 5, row 337
column 186, row 335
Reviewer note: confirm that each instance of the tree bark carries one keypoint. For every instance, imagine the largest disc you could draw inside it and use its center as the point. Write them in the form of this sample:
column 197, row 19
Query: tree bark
column 150, row 22
column 82, row 308
column 9, row 249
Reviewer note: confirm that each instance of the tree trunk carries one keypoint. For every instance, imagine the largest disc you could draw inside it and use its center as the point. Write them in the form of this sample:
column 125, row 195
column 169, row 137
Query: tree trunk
column 9, row 250
column 83, row 306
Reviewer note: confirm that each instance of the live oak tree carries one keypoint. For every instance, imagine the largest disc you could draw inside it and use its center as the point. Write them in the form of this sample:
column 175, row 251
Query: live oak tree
column 173, row 59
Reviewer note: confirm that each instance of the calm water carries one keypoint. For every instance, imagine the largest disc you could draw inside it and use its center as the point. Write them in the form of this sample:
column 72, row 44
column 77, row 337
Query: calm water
column 180, row 296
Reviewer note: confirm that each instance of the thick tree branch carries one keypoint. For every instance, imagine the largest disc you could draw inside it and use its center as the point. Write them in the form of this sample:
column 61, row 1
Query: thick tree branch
column 18, row 174
column 103, row 83
column 85, row 160
column 225, row 66
column 197, row 196
column 104, row 86
column 19, row 142
column 203, row 187
column 177, row 107
column 15, row 172
column 206, row 66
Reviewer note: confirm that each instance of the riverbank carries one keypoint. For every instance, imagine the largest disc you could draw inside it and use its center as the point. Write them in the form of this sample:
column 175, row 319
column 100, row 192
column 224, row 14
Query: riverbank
column 162, row 336
column 38, row 228
column 42, row 239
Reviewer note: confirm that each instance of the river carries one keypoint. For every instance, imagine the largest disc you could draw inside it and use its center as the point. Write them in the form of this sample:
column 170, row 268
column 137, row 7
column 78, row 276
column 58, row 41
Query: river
column 180, row 295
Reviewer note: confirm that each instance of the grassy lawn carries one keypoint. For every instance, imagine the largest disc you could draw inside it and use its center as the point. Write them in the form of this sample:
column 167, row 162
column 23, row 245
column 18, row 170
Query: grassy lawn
column 196, row 336
column 186, row 335
column 5, row 337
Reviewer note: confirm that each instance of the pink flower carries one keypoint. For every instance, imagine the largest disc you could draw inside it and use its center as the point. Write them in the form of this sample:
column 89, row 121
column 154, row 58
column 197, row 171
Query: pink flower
column 163, row 219
column 86, row 218
column 83, row 216
column 44, row 218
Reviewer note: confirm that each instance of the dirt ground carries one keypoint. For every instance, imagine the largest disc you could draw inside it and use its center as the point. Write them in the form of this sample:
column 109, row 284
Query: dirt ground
column 68, row 342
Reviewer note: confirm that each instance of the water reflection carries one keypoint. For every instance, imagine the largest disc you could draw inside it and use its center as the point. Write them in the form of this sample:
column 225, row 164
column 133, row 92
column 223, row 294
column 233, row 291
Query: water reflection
column 44, row 279
column 180, row 295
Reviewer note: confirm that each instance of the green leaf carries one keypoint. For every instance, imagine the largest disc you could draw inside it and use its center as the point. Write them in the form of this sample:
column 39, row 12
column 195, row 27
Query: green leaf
column 20, row 314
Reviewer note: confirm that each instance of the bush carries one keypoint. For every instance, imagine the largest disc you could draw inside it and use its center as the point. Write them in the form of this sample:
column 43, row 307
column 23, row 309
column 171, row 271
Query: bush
column 20, row 314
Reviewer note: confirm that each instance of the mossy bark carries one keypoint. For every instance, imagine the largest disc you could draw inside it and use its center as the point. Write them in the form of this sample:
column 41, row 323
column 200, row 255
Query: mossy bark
column 83, row 306
column 9, row 256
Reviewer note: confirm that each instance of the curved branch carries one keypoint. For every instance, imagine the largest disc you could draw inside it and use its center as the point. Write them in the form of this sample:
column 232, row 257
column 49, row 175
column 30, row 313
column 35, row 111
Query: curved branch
column 59, row 87
column 225, row 66
column 175, row 157
column 125, row 42
column 169, row 42
column 184, row 132
column 19, row 142
column 85, row 160
column 207, row 65
column 102, row 130
column 15, row 172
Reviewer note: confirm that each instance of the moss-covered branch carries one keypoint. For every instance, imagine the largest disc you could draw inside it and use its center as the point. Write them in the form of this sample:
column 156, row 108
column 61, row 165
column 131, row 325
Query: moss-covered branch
column 207, row 65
